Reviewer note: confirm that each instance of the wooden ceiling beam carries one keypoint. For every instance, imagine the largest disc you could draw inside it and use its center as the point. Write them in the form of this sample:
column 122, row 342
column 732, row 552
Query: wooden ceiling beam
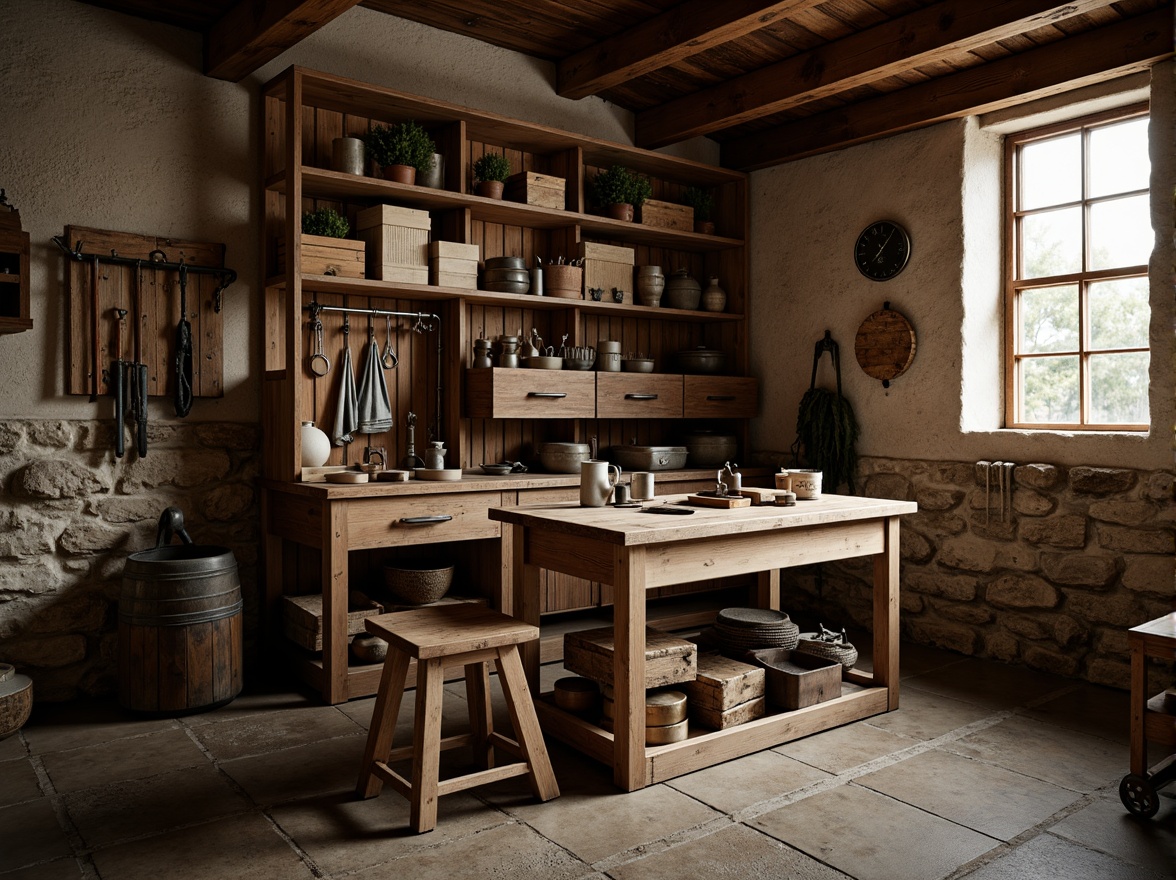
column 1124, row 47
column 678, row 33
column 254, row 32
column 922, row 37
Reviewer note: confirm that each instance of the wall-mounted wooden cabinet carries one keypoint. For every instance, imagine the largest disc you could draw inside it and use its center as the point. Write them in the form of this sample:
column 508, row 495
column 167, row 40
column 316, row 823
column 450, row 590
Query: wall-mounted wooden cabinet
column 14, row 279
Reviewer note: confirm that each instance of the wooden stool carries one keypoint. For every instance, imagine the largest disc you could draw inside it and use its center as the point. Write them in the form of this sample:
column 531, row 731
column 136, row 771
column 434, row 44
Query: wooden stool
column 439, row 637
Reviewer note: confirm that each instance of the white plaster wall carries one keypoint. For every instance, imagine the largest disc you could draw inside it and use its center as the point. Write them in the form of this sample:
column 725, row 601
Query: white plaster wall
column 806, row 216
column 109, row 123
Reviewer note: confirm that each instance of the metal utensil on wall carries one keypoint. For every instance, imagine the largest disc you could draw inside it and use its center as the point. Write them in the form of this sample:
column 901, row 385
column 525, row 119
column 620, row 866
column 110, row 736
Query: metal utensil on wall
column 388, row 360
column 319, row 363
column 183, row 396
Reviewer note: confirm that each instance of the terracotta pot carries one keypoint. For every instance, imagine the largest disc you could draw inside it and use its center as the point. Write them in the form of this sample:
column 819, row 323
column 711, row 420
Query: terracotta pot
column 400, row 173
column 621, row 211
column 706, row 227
column 490, row 189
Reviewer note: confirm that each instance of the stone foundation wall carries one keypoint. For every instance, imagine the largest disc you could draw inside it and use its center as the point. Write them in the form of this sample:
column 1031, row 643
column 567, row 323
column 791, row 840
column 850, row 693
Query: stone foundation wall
column 70, row 513
column 1054, row 581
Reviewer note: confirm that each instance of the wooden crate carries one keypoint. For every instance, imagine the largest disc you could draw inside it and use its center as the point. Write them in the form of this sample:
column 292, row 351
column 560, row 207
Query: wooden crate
column 721, row 719
column 608, row 267
column 530, row 188
column 453, row 265
column 323, row 255
column 796, row 680
column 666, row 215
column 397, row 243
column 723, row 683
column 302, row 619
column 668, row 659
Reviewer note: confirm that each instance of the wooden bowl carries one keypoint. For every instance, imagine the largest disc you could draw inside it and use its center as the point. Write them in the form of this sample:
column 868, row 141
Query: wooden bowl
column 417, row 583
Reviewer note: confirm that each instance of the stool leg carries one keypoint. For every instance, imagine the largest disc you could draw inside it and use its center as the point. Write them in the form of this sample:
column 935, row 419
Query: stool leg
column 526, row 724
column 426, row 745
column 477, row 678
column 383, row 724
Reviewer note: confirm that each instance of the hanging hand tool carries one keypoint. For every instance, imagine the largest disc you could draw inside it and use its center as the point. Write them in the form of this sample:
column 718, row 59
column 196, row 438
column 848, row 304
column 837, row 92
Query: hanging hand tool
column 183, row 399
column 117, row 384
column 93, row 328
column 388, row 360
column 139, row 369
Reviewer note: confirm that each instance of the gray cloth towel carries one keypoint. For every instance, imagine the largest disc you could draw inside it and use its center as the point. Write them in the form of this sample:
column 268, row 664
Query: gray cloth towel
column 375, row 410
column 347, row 415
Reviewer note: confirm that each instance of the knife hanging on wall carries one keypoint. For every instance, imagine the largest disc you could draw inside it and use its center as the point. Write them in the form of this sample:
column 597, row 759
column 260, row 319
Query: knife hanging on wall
column 183, row 397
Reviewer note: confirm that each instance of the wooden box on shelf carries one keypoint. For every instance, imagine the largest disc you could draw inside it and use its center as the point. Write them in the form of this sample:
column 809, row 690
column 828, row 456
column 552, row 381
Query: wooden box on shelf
column 302, row 619
column 666, row 215
column 453, row 265
column 668, row 659
column 531, row 188
column 398, row 243
column 323, row 255
column 608, row 268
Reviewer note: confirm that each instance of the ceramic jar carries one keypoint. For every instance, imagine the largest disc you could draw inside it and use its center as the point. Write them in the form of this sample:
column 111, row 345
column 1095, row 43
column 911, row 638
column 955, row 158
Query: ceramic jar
column 482, row 354
column 435, row 178
column 316, row 446
column 714, row 298
column 347, row 155
column 435, row 455
column 510, row 351
column 682, row 291
column 608, row 356
column 650, row 284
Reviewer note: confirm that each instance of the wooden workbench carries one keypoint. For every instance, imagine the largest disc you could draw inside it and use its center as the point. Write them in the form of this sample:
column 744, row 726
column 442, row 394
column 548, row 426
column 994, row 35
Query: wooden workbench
column 636, row 551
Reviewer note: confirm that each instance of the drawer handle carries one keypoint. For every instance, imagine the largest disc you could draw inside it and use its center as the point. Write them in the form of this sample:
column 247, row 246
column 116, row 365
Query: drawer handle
column 551, row 394
column 640, row 397
column 425, row 520
column 720, row 397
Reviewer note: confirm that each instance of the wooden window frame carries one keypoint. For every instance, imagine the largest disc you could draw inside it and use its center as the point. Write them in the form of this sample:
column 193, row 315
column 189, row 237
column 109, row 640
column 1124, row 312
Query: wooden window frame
column 1013, row 284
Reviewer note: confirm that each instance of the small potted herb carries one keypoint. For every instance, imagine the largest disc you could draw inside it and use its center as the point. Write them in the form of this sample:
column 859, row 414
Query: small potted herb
column 325, row 221
column 326, row 249
column 401, row 150
column 620, row 191
column 491, row 171
column 703, row 203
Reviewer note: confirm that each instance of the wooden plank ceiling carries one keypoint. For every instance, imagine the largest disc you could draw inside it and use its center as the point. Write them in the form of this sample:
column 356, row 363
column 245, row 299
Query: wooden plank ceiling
column 771, row 81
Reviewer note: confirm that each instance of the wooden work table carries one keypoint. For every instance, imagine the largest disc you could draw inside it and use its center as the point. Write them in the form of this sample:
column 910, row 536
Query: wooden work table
column 636, row 551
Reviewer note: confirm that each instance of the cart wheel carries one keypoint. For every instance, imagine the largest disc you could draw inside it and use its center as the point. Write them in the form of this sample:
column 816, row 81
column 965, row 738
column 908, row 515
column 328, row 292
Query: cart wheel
column 1139, row 796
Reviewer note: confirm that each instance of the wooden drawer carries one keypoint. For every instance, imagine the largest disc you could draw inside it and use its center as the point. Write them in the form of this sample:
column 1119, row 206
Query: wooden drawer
column 720, row 397
column 638, row 396
column 497, row 393
column 380, row 522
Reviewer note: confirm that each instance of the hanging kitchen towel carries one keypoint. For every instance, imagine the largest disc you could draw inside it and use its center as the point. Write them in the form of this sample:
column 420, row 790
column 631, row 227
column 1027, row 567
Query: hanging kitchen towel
column 347, row 415
column 375, row 410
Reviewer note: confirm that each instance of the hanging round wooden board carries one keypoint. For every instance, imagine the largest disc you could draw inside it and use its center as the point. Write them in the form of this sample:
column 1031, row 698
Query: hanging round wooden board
column 885, row 345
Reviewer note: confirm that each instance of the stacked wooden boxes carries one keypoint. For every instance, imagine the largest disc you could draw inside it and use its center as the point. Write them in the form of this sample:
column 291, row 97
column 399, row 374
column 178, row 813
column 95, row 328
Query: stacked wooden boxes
column 324, row 255
column 608, row 269
column 667, row 215
column 303, row 619
column 725, row 692
column 531, row 188
column 397, row 243
column 453, row 265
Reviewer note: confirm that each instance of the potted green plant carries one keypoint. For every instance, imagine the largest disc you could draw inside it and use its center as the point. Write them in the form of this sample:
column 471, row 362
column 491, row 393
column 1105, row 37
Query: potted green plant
column 326, row 249
column 491, row 171
column 703, row 203
column 401, row 150
column 325, row 221
column 620, row 191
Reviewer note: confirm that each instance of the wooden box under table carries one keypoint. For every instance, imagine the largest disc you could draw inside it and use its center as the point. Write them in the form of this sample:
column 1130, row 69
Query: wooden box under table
column 668, row 659
column 323, row 255
column 452, row 264
column 609, row 269
column 530, row 188
column 796, row 680
column 397, row 243
column 667, row 215
column 302, row 619
column 723, row 683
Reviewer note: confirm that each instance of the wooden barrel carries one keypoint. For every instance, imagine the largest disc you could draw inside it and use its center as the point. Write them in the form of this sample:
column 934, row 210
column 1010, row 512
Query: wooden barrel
column 179, row 629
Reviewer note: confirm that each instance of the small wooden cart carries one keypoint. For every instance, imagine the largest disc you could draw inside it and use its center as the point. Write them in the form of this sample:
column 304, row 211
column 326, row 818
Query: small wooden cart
column 1153, row 721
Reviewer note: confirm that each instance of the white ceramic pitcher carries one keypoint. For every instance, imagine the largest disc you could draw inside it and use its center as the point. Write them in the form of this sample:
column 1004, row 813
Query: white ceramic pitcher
column 597, row 479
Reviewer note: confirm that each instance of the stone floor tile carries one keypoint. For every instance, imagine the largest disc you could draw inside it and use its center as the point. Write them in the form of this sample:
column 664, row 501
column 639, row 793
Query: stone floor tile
column 243, row 848
column 912, row 659
column 1089, row 708
column 119, row 759
column 12, row 747
column 923, row 715
column 343, row 834
column 1048, row 858
column 30, row 833
column 872, row 837
column 62, row 869
column 1063, row 757
column 983, row 797
column 255, row 701
column 735, row 851
column 54, row 727
column 179, row 797
column 18, row 782
column 311, row 770
column 735, row 785
column 837, row 750
column 1107, row 826
column 986, row 683
column 282, row 729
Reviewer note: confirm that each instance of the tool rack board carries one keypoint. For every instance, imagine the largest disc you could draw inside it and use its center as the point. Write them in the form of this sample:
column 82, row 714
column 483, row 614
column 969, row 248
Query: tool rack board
column 156, row 318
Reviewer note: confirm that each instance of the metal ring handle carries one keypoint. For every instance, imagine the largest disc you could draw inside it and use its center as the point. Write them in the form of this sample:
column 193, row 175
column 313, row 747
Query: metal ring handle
column 425, row 520
column 640, row 397
column 550, row 394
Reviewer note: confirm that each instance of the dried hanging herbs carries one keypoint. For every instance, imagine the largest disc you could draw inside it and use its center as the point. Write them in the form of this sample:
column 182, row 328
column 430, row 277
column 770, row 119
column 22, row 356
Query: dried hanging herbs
column 826, row 429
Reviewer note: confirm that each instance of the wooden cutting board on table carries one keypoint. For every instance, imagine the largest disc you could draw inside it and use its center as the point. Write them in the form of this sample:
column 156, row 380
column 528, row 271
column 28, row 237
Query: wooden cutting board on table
column 728, row 502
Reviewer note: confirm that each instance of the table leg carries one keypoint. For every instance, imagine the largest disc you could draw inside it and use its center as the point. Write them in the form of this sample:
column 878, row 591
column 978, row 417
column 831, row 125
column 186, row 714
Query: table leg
column 1138, row 704
column 335, row 587
column 767, row 589
column 886, row 607
column 629, row 667
column 525, row 589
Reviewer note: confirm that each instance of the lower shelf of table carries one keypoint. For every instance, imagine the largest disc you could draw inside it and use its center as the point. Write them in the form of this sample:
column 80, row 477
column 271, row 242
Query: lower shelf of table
column 704, row 748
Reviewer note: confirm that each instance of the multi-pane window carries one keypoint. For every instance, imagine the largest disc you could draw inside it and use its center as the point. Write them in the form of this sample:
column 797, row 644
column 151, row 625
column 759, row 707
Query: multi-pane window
column 1079, row 234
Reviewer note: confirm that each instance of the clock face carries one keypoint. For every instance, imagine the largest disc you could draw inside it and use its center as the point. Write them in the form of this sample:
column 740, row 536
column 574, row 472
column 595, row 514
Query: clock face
column 882, row 250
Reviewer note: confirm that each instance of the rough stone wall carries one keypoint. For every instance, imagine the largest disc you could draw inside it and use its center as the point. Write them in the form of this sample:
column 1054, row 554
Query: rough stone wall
column 70, row 513
column 1078, row 556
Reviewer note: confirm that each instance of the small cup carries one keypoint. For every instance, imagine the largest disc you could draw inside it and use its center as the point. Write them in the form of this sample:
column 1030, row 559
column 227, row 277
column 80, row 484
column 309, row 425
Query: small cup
column 621, row 493
column 806, row 483
column 642, row 486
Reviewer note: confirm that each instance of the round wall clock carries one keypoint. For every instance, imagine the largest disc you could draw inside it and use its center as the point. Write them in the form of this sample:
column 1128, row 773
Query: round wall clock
column 882, row 250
